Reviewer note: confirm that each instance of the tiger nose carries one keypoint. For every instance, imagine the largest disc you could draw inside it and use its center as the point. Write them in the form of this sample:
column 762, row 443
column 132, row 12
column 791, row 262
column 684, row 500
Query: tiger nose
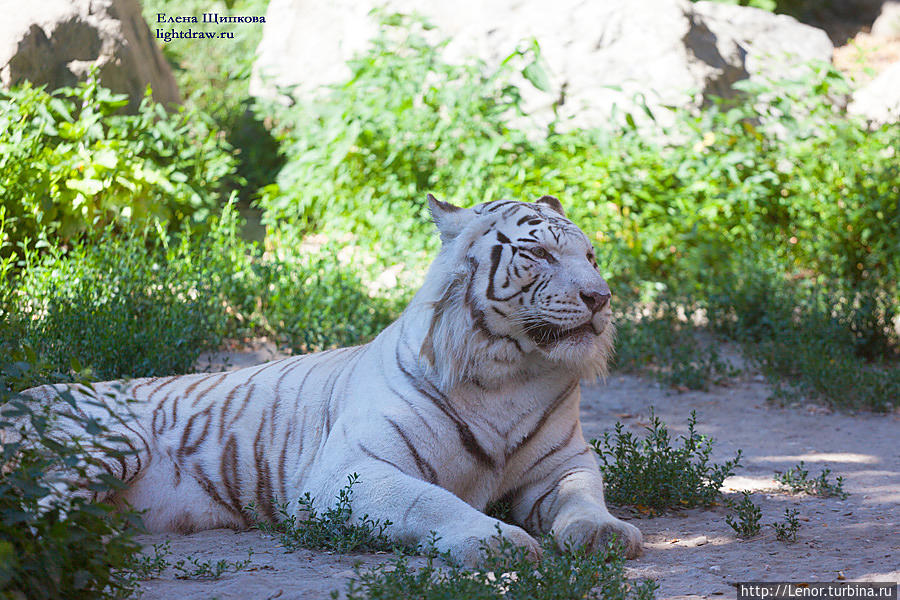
column 595, row 300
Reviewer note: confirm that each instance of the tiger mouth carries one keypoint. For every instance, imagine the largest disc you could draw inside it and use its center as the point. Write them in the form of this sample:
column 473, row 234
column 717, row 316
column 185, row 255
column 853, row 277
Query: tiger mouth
column 545, row 334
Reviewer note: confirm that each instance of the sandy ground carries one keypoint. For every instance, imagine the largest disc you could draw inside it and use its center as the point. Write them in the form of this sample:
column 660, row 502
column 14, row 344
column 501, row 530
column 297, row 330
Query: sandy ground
column 690, row 553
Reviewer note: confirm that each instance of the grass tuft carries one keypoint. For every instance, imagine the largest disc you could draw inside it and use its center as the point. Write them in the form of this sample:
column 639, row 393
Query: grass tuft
column 798, row 481
column 334, row 530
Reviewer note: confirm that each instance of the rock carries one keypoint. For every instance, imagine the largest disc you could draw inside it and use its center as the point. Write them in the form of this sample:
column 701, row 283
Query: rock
column 57, row 42
column 775, row 46
column 887, row 25
column 694, row 542
column 879, row 100
column 597, row 54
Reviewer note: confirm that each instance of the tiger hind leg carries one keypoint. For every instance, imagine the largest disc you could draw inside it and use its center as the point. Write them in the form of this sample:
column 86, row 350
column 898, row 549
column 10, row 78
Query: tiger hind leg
column 100, row 447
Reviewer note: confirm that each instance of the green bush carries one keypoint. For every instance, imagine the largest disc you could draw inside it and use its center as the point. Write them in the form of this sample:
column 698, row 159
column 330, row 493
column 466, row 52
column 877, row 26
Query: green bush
column 747, row 516
column 331, row 530
column 216, row 82
column 363, row 155
column 773, row 219
column 70, row 161
column 654, row 475
column 797, row 479
column 122, row 306
column 787, row 530
column 799, row 340
column 668, row 346
column 148, row 303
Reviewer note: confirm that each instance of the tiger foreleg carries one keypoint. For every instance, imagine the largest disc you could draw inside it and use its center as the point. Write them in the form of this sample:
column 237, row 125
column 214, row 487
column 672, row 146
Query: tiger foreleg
column 569, row 505
column 421, row 512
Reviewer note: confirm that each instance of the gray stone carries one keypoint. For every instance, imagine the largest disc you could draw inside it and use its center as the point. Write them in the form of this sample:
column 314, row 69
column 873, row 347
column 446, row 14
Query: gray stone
column 879, row 100
column 887, row 25
column 597, row 54
column 57, row 43
column 772, row 46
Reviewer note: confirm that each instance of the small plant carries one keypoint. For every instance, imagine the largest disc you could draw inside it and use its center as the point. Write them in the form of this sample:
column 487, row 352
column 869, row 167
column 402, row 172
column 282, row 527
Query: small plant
column 748, row 516
column 507, row 574
column 146, row 566
column 797, row 479
column 787, row 531
column 652, row 474
column 331, row 530
column 501, row 510
column 148, row 303
column 194, row 568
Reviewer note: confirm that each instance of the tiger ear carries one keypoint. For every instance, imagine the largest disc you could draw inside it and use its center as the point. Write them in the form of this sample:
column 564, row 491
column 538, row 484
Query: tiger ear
column 553, row 203
column 449, row 219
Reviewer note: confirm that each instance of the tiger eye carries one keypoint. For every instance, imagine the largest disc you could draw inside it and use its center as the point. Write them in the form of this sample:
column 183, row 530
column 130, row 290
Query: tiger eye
column 542, row 253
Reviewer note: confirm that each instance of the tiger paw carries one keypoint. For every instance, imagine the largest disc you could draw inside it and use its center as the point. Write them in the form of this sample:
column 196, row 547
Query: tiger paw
column 597, row 532
column 469, row 550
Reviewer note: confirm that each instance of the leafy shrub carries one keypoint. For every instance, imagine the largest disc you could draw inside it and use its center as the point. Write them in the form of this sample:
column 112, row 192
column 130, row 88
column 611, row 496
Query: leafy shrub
column 796, row 336
column 216, row 82
column 54, row 544
column 506, row 574
column 149, row 303
column 121, row 306
column 745, row 521
column 69, row 160
column 331, row 530
column 312, row 302
column 653, row 475
column 668, row 346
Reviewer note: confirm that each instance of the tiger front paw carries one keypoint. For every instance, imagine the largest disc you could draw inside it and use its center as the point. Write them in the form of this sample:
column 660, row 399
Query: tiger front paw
column 596, row 533
column 469, row 548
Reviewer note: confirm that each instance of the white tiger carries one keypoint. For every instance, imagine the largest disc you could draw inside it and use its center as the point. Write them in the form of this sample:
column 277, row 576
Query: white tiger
column 471, row 396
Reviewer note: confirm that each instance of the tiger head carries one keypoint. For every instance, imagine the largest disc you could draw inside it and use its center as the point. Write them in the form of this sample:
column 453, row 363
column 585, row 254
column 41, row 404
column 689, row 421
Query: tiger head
column 525, row 280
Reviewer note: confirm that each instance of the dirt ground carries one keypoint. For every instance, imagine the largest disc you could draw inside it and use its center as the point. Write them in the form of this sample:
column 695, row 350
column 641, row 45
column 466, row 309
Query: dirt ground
column 690, row 553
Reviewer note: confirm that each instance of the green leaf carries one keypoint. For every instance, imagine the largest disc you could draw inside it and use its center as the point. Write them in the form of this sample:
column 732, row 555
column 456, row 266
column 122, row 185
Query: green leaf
column 88, row 187
column 536, row 74
column 106, row 158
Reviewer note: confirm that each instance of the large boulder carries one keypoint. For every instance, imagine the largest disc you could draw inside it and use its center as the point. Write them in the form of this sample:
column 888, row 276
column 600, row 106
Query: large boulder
column 57, row 43
column 597, row 54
